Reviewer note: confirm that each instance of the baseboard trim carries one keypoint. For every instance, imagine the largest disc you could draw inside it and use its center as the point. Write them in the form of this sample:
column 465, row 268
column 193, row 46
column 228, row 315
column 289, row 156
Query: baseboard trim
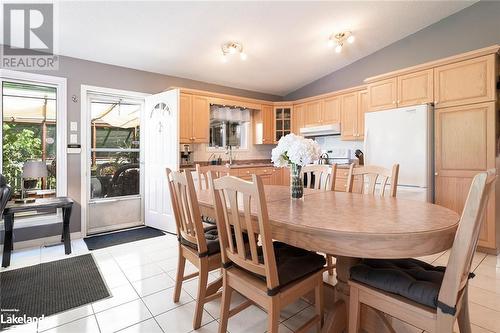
column 45, row 241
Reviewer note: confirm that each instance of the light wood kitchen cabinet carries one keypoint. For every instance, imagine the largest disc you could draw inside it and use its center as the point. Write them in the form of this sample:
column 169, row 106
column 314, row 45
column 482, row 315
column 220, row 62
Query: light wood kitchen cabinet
column 186, row 118
column 362, row 109
column 331, row 110
column 298, row 118
column 382, row 95
column 201, row 119
column 349, row 116
column 312, row 115
column 465, row 144
column 194, row 119
column 416, row 88
column 263, row 120
column 341, row 181
column 466, row 82
column 269, row 174
column 465, row 139
column 282, row 122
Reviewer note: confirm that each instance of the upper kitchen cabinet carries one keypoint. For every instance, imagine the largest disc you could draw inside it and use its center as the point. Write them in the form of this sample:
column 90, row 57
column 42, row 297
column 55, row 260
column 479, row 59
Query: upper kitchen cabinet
column 349, row 116
column 263, row 125
column 465, row 82
column 194, row 119
column 362, row 109
column 331, row 111
column 283, row 121
column 201, row 119
column 382, row 95
column 186, row 118
column 298, row 118
column 415, row 88
column 312, row 115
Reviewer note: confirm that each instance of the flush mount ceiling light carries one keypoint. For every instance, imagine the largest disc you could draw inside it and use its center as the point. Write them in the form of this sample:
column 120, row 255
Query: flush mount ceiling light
column 232, row 48
column 339, row 39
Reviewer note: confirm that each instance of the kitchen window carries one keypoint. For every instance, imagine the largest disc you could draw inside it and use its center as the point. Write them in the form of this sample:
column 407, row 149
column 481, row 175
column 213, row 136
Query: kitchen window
column 229, row 126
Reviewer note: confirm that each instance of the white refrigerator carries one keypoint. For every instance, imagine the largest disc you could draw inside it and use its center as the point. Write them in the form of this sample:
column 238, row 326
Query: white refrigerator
column 404, row 136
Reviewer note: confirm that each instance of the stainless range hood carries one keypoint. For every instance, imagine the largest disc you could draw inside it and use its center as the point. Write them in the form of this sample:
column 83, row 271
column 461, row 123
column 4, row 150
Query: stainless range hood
column 323, row 130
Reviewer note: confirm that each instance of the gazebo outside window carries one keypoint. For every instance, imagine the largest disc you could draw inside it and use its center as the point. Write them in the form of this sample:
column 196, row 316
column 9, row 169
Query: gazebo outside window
column 115, row 151
column 29, row 133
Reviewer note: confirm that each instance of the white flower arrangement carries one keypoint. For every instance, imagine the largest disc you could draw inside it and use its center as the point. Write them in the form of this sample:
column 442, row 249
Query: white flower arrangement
column 295, row 149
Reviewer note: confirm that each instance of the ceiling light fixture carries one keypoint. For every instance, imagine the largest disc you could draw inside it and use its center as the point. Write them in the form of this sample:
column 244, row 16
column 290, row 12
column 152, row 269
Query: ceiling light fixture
column 232, row 48
column 339, row 39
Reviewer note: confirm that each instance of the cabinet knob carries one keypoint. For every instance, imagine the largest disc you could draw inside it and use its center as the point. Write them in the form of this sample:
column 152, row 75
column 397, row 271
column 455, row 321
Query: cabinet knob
column 398, row 101
column 393, row 102
column 435, row 173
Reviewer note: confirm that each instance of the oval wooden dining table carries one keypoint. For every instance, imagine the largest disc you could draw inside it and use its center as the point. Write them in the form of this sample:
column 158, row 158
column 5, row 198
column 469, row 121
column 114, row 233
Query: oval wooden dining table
column 351, row 226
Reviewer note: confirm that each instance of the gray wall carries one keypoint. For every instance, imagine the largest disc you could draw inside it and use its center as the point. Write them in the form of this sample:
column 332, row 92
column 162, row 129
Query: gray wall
column 472, row 28
column 80, row 72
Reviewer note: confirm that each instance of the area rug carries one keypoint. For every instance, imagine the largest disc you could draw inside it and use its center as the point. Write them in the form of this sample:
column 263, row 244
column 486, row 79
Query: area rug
column 29, row 293
column 121, row 237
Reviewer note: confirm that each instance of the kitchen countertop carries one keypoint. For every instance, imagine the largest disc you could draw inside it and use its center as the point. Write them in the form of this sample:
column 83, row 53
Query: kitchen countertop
column 243, row 164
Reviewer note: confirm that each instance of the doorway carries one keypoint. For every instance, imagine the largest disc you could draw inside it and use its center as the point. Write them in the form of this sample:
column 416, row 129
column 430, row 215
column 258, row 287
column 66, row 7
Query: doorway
column 114, row 177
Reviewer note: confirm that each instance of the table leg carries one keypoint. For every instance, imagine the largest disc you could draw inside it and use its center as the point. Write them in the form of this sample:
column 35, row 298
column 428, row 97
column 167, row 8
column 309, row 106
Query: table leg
column 337, row 322
column 66, row 238
column 8, row 245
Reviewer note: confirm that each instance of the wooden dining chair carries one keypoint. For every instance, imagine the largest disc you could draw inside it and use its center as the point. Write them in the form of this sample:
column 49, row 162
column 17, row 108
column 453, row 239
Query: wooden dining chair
column 324, row 179
column 374, row 175
column 272, row 275
column 324, row 176
column 203, row 171
column 430, row 298
column 199, row 245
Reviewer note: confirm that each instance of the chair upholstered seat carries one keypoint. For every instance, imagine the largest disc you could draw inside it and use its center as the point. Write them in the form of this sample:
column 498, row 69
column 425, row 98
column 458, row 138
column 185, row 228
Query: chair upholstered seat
column 293, row 263
column 212, row 238
column 410, row 278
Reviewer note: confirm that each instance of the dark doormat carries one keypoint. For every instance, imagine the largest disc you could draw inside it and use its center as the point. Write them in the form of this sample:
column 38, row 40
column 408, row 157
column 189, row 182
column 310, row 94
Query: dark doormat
column 49, row 288
column 121, row 237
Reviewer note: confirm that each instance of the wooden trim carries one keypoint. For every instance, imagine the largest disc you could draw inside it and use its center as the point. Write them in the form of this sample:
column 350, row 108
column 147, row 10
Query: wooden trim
column 330, row 94
column 222, row 96
column 444, row 61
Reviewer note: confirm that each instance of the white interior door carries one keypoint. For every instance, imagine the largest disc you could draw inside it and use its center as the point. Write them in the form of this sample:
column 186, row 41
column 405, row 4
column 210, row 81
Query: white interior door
column 161, row 136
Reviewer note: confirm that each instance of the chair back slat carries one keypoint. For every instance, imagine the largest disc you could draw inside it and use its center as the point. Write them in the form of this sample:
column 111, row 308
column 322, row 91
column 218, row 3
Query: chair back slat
column 203, row 171
column 371, row 175
column 186, row 209
column 324, row 176
column 466, row 238
column 252, row 241
column 241, row 210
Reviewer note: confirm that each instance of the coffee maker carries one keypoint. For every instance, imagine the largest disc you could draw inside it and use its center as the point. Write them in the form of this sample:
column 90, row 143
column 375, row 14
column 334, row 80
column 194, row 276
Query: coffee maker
column 187, row 156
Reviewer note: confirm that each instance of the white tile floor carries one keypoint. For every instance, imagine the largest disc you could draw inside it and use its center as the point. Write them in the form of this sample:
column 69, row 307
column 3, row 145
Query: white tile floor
column 141, row 276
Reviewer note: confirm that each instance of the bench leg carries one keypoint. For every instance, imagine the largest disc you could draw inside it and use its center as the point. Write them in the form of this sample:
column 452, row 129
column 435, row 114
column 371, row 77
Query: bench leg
column 66, row 238
column 8, row 245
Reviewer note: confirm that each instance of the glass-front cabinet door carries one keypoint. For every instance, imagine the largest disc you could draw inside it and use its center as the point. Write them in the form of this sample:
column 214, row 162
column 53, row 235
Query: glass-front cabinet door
column 283, row 121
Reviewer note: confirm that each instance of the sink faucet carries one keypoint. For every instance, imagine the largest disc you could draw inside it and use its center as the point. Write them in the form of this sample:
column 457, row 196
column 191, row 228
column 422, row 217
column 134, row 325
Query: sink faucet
column 229, row 151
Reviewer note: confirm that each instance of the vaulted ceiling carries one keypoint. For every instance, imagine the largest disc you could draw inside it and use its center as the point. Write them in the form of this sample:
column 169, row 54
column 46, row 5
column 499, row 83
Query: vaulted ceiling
column 286, row 42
